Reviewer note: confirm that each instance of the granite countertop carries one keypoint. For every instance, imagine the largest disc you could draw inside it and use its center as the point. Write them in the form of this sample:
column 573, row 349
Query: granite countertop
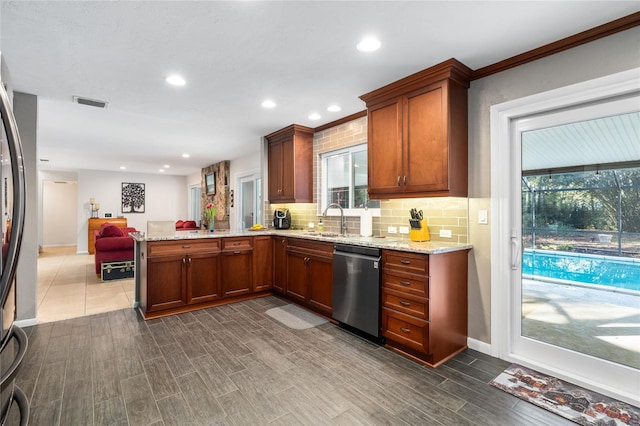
column 428, row 247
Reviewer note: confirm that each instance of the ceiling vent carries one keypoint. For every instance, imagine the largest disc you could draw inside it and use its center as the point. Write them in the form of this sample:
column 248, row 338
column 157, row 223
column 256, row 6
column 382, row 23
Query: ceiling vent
column 90, row 102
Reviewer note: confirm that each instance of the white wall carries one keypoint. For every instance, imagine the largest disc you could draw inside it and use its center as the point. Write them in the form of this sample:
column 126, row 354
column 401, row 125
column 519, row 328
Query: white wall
column 59, row 218
column 166, row 198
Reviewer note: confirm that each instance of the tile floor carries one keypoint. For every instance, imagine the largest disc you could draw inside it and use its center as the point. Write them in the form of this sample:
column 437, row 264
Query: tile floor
column 68, row 287
column 235, row 365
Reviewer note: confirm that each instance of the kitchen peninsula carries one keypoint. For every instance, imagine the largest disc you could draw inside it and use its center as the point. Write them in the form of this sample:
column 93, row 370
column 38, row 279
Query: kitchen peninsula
column 423, row 286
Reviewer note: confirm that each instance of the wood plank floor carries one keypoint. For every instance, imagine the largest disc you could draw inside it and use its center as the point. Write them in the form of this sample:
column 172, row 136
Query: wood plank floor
column 235, row 365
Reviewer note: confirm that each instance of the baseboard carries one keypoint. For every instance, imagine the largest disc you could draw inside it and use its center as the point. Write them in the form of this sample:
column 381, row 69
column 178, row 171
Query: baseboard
column 26, row 323
column 478, row 345
column 82, row 252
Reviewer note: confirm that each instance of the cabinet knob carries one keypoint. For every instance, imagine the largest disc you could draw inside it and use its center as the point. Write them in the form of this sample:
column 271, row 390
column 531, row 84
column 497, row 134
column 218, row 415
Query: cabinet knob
column 405, row 330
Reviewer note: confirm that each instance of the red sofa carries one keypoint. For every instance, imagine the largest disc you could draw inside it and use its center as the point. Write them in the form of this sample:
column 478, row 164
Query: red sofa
column 186, row 225
column 113, row 244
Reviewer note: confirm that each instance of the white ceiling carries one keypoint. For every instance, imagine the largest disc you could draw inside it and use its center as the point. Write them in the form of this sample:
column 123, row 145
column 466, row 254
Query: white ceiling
column 233, row 56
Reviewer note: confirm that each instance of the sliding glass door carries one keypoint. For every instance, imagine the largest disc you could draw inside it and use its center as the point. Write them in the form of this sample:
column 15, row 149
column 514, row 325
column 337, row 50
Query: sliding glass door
column 572, row 302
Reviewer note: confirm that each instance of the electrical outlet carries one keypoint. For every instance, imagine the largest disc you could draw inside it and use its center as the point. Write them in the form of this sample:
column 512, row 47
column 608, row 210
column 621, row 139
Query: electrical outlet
column 445, row 233
column 311, row 225
column 404, row 229
column 392, row 230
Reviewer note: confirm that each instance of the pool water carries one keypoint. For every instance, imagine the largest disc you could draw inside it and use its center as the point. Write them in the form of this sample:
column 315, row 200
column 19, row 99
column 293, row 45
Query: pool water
column 610, row 271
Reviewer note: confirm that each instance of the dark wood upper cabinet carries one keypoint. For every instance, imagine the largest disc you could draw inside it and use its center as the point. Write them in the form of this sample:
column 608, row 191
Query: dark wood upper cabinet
column 417, row 134
column 290, row 162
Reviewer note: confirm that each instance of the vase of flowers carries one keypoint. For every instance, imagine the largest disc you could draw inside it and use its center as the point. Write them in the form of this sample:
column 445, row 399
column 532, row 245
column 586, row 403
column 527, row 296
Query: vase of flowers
column 211, row 212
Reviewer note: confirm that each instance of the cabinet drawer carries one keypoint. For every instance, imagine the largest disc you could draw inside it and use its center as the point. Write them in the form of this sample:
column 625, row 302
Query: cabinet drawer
column 239, row 243
column 416, row 285
column 407, row 303
column 409, row 331
column 161, row 248
column 412, row 263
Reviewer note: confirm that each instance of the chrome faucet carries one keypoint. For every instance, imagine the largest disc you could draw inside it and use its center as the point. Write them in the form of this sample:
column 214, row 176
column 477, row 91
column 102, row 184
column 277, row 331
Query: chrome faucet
column 343, row 222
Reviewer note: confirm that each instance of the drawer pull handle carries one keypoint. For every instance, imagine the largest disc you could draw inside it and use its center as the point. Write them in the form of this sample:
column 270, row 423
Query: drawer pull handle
column 236, row 243
column 403, row 303
column 405, row 262
column 405, row 283
column 405, row 330
column 398, row 182
column 236, row 252
column 186, row 247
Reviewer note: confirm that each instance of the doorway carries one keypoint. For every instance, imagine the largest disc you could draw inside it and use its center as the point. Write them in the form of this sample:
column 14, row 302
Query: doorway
column 250, row 201
column 60, row 216
column 515, row 143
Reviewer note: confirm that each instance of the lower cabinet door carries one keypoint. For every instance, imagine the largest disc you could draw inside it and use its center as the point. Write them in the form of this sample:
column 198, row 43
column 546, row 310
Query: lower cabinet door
column 202, row 277
column 279, row 264
column 320, row 289
column 406, row 330
column 262, row 263
column 237, row 272
column 168, row 277
column 297, row 276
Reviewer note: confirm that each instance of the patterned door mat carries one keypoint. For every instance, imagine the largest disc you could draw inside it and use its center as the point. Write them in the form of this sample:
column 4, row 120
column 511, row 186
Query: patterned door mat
column 572, row 402
column 295, row 317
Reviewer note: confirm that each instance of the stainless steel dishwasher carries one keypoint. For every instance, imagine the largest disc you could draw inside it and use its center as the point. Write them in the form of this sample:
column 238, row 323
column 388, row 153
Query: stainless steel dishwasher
column 356, row 287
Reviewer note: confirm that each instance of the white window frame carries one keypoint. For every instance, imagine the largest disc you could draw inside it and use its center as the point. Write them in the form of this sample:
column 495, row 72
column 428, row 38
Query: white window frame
column 322, row 178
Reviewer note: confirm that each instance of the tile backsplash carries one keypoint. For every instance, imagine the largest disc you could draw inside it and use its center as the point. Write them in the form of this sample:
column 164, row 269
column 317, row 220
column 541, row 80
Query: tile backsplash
column 440, row 213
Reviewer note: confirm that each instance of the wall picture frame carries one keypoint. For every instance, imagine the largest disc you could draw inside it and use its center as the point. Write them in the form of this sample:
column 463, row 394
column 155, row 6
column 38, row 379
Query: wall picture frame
column 133, row 197
column 210, row 183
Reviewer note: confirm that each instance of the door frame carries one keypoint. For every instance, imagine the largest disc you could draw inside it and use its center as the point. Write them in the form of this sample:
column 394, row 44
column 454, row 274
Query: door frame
column 238, row 197
column 503, row 132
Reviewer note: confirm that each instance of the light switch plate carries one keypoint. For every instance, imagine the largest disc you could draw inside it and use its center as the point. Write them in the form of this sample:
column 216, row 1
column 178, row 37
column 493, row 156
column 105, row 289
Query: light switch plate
column 445, row 233
column 482, row 217
column 404, row 229
column 392, row 230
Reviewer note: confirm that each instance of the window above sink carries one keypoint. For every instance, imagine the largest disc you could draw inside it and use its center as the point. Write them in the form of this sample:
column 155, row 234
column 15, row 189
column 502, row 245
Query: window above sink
column 343, row 178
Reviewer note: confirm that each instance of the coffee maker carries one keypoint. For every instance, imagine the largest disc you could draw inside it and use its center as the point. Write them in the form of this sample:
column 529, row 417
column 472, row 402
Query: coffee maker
column 281, row 219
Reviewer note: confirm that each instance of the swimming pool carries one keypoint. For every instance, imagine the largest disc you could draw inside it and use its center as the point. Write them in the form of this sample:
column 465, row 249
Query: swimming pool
column 610, row 271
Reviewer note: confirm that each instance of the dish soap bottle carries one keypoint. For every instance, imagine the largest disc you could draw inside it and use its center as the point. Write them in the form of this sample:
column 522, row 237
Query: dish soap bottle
column 320, row 226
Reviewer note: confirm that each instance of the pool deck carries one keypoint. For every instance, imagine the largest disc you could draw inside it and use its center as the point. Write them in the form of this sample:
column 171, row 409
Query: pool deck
column 598, row 322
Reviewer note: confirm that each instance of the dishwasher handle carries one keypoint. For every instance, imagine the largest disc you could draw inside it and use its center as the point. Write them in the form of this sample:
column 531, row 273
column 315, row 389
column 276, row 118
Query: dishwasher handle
column 341, row 254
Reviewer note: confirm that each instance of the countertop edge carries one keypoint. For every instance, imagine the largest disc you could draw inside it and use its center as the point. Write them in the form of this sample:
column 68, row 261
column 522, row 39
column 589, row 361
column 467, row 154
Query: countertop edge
column 389, row 243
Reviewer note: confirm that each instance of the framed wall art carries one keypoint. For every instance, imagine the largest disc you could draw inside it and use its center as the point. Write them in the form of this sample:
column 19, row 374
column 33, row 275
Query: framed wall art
column 132, row 197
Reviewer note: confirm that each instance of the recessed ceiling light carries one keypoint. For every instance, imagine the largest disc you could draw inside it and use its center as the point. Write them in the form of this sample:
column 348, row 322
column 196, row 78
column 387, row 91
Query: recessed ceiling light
column 123, row 167
column 268, row 103
column 315, row 116
column 175, row 80
column 185, row 156
column 368, row 44
column 166, row 166
column 161, row 170
column 334, row 108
